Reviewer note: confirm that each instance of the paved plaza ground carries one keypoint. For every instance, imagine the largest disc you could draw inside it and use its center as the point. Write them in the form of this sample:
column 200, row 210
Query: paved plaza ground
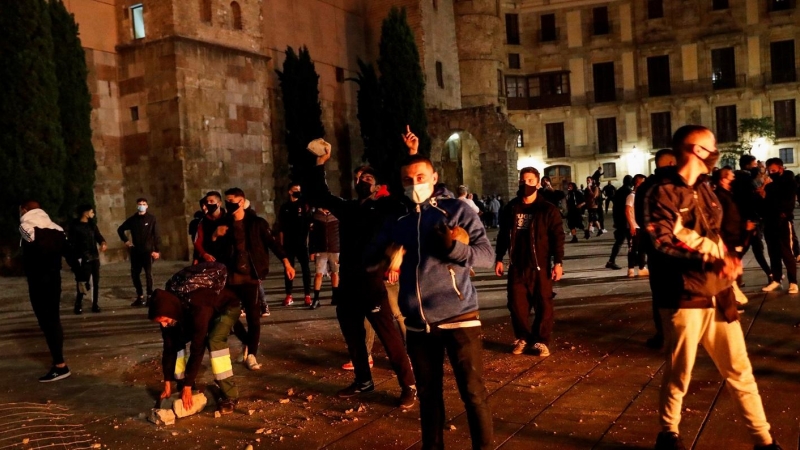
column 598, row 389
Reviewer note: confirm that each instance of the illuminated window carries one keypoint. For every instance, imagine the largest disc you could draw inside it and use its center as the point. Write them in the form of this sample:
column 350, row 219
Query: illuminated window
column 520, row 139
column 137, row 13
column 786, row 155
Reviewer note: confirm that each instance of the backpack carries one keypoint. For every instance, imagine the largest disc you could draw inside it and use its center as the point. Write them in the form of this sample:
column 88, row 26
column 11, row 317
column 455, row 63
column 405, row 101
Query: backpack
column 205, row 275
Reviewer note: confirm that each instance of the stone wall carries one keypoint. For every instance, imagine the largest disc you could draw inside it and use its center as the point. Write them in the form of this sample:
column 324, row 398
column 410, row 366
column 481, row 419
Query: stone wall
column 480, row 35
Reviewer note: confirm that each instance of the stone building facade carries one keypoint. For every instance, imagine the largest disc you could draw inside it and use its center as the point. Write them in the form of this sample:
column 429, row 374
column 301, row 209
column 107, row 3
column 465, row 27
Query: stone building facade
column 605, row 83
column 186, row 98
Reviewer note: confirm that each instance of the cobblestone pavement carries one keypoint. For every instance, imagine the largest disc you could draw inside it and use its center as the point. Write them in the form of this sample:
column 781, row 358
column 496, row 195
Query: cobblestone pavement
column 598, row 389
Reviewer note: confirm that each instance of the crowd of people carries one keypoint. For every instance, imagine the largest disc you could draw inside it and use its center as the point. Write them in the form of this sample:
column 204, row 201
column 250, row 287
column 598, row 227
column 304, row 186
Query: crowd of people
column 400, row 266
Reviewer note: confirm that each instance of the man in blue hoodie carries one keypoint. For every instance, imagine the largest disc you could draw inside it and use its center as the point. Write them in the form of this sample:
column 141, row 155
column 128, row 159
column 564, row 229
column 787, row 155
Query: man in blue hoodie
column 438, row 299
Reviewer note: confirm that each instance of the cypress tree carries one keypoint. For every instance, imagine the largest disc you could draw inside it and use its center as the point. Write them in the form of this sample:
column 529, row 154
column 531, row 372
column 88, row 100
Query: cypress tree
column 370, row 110
column 300, row 88
column 403, row 92
column 74, row 102
column 31, row 147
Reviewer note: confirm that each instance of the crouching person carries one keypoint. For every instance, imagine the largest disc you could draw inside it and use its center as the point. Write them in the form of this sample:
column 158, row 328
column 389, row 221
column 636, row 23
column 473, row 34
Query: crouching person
column 200, row 312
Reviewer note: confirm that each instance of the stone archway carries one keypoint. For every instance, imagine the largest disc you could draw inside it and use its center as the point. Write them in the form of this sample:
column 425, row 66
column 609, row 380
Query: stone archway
column 487, row 149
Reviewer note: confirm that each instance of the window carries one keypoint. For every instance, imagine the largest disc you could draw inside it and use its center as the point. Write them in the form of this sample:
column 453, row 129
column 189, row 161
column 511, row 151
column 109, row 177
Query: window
column 554, row 134
column 782, row 65
column 723, row 68
column 500, row 90
column 515, row 87
column 520, row 139
column 205, row 11
column 548, row 84
column 604, row 86
column 513, row 61
column 600, row 21
column 512, row 29
column 658, row 76
column 726, row 124
column 717, row 5
column 548, row 31
column 137, row 13
column 236, row 13
column 785, row 124
column 779, row 5
column 607, row 135
column 786, row 155
column 439, row 74
column 661, row 129
column 339, row 75
column 609, row 170
column 655, row 9
column 134, row 113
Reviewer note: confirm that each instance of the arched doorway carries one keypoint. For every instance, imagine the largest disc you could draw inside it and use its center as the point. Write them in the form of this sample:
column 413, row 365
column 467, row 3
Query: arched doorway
column 461, row 162
column 559, row 175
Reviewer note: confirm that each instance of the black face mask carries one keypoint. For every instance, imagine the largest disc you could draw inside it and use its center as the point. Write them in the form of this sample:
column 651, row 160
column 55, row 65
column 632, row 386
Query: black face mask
column 711, row 161
column 755, row 172
column 527, row 190
column 231, row 207
column 363, row 190
column 212, row 208
column 775, row 176
column 297, row 194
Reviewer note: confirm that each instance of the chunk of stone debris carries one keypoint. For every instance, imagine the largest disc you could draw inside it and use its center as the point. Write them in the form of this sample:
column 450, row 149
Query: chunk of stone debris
column 198, row 403
column 162, row 417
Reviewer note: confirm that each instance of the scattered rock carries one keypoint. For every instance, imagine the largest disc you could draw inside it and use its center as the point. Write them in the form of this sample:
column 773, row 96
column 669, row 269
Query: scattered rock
column 290, row 392
column 283, row 400
column 217, row 414
column 250, row 412
column 249, row 447
column 361, row 407
column 260, row 431
column 162, row 417
column 198, row 403
column 349, row 411
column 96, row 445
column 174, row 433
column 310, row 397
column 25, row 441
column 451, row 428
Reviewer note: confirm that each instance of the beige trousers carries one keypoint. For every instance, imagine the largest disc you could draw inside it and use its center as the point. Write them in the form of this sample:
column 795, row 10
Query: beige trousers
column 684, row 330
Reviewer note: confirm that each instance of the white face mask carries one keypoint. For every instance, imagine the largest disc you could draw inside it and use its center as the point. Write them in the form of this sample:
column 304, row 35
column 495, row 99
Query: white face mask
column 418, row 193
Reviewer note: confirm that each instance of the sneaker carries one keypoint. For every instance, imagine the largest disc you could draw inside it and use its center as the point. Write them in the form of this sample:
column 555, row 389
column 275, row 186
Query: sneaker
column 55, row 374
column 773, row 446
column 288, row 300
column 408, row 397
column 605, row 231
column 307, row 300
column 771, row 286
column 95, row 308
column 264, row 310
column 78, row 308
column 655, row 342
column 668, row 440
column 631, row 273
column 541, row 349
column 600, row 232
column 349, row 364
column 574, row 239
column 356, row 388
column 139, row 302
column 612, row 266
column 519, row 347
column 315, row 304
column 793, row 288
column 251, row 363
column 644, row 272
column 227, row 406
column 741, row 299
column 587, row 234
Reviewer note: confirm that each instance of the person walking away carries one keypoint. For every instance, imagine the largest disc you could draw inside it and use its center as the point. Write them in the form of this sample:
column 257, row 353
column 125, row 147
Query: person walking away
column 43, row 245
column 494, row 211
column 593, row 201
column 294, row 221
column 84, row 237
column 778, row 192
column 143, row 246
column 608, row 192
column 618, row 214
column 324, row 247
column 636, row 255
column 693, row 273
column 575, row 205
column 531, row 231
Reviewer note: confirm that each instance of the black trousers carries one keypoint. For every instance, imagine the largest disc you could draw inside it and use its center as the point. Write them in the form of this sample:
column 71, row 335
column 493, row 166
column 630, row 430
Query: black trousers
column 608, row 202
column 463, row 347
column 636, row 254
column 299, row 253
column 530, row 288
column 620, row 236
column 45, row 293
column 780, row 246
column 141, row 261
column 755, row 241
column 351, row 309
column 249, row 296
column 89, row 269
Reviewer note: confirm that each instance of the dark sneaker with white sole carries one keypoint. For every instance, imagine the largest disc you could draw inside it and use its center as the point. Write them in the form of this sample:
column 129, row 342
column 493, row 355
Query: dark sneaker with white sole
column 668, row 440
column 55, row 374
column 356, row 389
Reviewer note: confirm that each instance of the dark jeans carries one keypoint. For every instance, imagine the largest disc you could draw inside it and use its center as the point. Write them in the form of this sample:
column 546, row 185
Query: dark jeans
column 141, row 261
column 755, row 241
column 248, row 295
column 351, row 311
column 463, row 347
column 300, row 254
column 89, row 269
column 528, row 289
column 45, row 293
column 779, row 236
column 636, row 254
column 608, row 202
column 620, row 236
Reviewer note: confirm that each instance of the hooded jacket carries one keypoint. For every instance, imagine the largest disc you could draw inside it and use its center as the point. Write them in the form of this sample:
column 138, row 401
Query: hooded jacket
column 436, row 288
column 43, row 244
column 546, row 232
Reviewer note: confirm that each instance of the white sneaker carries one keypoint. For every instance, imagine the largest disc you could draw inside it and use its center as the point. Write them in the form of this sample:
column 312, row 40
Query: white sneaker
column 741, row 299
column 644, row 272
column 541, row 349
column 251, row 363
column 771, row 287
column 631, row 273
column 519, row 347
column 793, row 288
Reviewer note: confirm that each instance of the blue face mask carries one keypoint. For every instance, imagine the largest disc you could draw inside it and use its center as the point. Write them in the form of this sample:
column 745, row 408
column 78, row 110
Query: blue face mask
column 141, row 208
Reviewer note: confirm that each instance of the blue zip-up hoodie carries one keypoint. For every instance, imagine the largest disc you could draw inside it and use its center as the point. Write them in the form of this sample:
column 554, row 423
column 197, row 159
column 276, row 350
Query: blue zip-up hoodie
column 433, row 290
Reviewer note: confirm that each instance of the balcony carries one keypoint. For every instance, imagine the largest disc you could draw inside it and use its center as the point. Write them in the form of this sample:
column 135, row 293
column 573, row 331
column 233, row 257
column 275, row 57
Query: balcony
column 560, row 152
column 541, row 102
column 783, row 76
column 728, row 82
column 601, row 28
column 548, row 36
